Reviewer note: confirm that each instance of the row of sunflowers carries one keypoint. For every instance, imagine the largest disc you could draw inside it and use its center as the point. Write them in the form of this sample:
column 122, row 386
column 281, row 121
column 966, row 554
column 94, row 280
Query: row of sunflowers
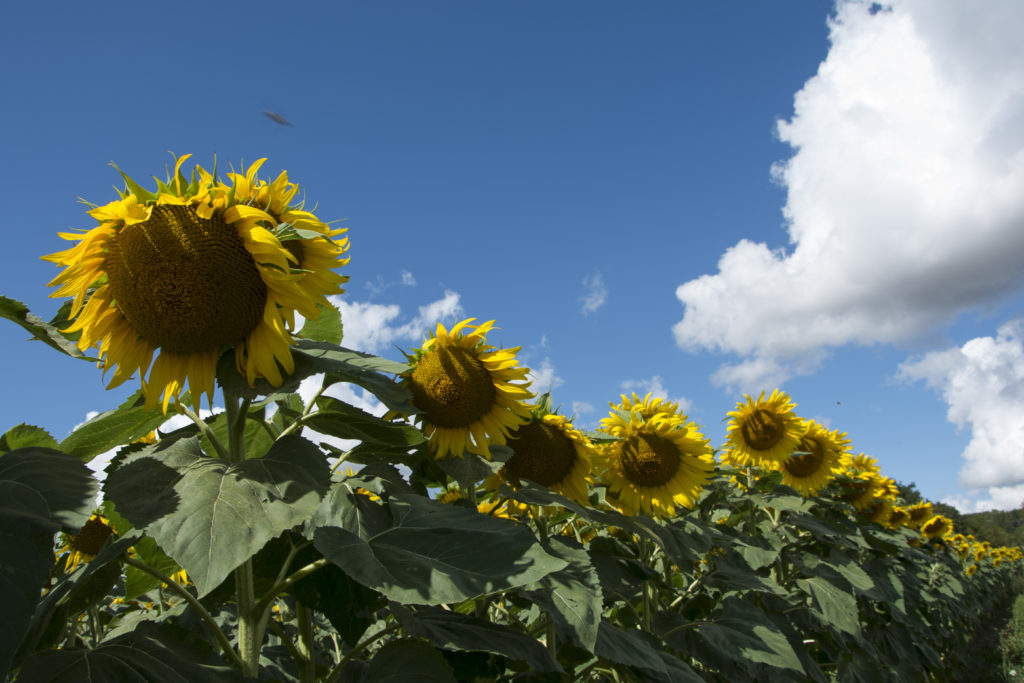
column 469, row 533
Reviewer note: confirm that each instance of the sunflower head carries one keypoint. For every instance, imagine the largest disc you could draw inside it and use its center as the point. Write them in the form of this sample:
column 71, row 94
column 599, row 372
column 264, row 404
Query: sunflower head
column 549, row 451
column 659, row 462
column 193, row 269
column 468, row 394
column 764, row 432
column 919, row 513
column 86, row 544
column 816, row 459
column 937, row 527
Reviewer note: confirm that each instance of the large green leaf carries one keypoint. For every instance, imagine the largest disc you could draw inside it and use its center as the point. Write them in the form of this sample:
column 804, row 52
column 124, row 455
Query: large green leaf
column 117, row 427
column 638, row 650
column 737, row 639
column 210, row 515
column 153, row 653
column 337, row 418
column 408, row 661
column 418, row 551
column 836, row 607
column 24, row 436
column 572, row 596
column 339, row 365
column 454, row 631
column 39, row 329
column 65, row 484
column 326, row 327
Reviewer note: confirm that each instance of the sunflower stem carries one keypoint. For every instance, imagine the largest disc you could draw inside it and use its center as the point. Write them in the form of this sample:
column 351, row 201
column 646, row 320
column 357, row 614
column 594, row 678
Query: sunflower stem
column 307, row 668
column 222, row 452
column 336, row 671
column 250, row 636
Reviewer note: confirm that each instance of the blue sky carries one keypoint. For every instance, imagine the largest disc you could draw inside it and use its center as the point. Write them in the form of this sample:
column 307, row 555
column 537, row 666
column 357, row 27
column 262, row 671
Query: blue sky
column 697, row 199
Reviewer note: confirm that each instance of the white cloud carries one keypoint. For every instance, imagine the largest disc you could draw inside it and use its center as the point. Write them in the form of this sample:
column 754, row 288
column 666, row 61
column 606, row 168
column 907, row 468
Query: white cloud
column 372, row 327
column 656, row 389
column 349, row 393
column 596, row 293
column 983, row 384
column 407, row 279
column 903, row 205
column 581, row 408
column 544, row 378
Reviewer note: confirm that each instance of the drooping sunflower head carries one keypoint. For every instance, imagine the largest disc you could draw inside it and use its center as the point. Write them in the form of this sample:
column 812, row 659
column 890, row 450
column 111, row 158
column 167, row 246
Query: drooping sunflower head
column 549, row 451
column 659, row 462
column 815, row 461
column 879, row 510
column 937, row 527
column 86, row 544
column 197, row 267
column 468, row 394
column 764, row 432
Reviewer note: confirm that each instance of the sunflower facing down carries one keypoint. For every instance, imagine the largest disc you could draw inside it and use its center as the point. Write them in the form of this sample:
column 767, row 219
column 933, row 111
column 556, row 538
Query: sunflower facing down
column 549, row 451
column 764, row 432
column 468, row 394
column 658, row 463
column 198, row 267
column 86, row 544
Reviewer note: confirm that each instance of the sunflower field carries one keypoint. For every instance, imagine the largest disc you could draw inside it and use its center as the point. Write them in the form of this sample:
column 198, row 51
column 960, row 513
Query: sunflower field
column 468, row 532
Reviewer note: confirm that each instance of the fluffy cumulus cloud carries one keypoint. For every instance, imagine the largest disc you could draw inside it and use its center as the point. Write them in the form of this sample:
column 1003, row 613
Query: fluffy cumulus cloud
column 375, row 327
column 903, row 204
column 544, row 378
column 596, row 293
column 983, row 384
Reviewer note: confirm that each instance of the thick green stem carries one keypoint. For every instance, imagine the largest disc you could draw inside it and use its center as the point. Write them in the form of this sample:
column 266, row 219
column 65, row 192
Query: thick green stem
column 307, row 669
column 250, row 636
column 336, row 671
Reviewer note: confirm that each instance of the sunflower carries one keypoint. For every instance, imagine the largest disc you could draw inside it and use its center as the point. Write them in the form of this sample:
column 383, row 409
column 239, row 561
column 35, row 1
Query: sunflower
column 659, row 462
column 468, row 394
column 764, row 432
column 817, row 457
column 970, row 571
column 860, row 489
column 549, row 451
column 193, row 269
column 937, row 527
column 86, row 544
column 898, row 517
column 919, row 514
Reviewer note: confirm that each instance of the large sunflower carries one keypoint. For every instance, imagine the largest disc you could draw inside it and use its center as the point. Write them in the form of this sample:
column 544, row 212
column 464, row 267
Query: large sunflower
column 764, row 432
column 468, row 394
column 659, row 462
column 819, row 455
column 193, row 269
column 548, row 450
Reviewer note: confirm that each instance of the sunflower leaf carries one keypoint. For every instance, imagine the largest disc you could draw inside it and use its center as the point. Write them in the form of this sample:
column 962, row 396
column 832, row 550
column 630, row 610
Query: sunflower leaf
column 210, row 515
column 113, row 428
column 461, row 632
column 24, row 436
column 417, row 551
column 18, row 312
column 326, row 327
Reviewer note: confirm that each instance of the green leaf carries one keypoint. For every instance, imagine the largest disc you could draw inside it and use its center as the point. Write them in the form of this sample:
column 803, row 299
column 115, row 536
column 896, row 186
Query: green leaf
column 153, row 653
column 347, row 604
column 210, row 515
column 742, row 632
column 23, row 436
column 633, row 648
column 337, row 418
column 65, row 485
column 39, row 328
column 837, row 607
column 572, row 596
column 339, row 365
column 408, row 661
column 417, row 551
column 326, row 327
column 126, row 423
column 454, row 631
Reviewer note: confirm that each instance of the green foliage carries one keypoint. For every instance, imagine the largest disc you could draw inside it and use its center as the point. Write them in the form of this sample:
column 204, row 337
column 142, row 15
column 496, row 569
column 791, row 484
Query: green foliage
column 296, row 571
